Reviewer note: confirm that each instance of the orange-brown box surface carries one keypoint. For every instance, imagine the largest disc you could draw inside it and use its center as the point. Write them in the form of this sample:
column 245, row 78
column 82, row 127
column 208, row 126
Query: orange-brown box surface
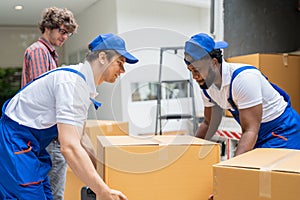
column 163, row 167
column 261, row 174
column 281, row 69
column 93, row 128
column 73, row 186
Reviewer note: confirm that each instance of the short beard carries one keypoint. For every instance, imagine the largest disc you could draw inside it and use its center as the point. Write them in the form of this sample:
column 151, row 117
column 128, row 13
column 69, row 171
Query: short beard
column 209, row 80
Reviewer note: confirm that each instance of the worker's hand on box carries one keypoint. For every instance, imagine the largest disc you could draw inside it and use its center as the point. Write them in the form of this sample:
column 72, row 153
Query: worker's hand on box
column 211, row 197
column 111, row 195
column 117, row 195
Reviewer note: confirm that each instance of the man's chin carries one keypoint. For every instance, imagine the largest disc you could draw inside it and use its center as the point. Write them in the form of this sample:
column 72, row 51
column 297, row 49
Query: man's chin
column 60, row 44
column 112, row 80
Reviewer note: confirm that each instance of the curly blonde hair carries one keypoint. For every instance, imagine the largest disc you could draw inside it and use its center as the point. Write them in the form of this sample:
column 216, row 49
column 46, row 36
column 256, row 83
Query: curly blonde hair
column 54, row 17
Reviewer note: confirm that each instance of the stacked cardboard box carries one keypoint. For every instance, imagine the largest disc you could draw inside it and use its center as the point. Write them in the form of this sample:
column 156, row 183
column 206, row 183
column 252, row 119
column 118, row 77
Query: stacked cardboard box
column 261, row 174
column 73, row 186
column 163, row 167
column 93, row 129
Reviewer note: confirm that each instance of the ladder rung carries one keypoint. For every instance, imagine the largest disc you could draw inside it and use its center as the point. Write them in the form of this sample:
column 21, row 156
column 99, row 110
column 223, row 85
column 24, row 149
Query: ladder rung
column 176, row 116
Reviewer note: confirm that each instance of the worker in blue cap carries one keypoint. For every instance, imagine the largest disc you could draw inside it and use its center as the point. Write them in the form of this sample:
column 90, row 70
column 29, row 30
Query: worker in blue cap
column 262, row 109
column 55, row 105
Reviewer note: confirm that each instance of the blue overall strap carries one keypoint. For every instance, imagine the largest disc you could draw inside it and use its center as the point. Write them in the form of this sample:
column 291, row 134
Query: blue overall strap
column 235, row 73
column 207, row 95
column 96, row 104
column 57, row 69
column 235, row 111
column 286, row 97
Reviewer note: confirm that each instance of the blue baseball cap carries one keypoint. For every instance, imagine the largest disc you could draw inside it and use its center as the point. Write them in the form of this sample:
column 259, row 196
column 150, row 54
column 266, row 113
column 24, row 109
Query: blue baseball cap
column 112, row 42
column 202, row 44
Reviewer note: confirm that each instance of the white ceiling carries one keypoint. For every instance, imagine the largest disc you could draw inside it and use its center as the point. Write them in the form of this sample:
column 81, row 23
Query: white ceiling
column 31, row 13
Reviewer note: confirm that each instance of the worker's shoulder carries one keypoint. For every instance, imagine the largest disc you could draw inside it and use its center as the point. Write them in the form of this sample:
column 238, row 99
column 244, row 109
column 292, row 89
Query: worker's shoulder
column 36, row 46
column 69, row 75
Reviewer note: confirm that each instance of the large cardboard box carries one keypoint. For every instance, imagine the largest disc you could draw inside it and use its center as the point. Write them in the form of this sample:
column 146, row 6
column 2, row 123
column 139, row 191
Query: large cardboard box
column 163, row 167
column 93, row 128
column 281, row 69
column 261, row 174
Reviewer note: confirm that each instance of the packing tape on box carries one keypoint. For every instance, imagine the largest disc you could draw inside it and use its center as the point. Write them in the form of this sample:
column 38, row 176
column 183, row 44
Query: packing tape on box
column 285, row 57
column 265, row 175
column 265, row 182
column 163, row 153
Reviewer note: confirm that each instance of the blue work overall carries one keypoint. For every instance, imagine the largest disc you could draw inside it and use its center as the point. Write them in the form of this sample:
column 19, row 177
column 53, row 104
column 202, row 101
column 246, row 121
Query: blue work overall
column 282, row 132
column 24, row 162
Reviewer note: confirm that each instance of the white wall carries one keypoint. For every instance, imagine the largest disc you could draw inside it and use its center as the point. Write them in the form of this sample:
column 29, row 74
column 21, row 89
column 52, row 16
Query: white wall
column 15, row 40
column 136, row 14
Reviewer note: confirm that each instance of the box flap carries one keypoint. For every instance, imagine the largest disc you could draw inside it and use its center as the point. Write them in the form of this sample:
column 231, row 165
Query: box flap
column 161, row 140
column 181, row 140
column 268, row 159
column 91, row 123
column 126, row 140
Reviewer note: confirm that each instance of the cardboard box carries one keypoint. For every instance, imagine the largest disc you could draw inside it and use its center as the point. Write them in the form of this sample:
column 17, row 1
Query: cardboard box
column 281, row 69
column 73, row 186
column 177, row 132
column 228, row 113
column 94, row 128
column 261, row 174
column 163, row 167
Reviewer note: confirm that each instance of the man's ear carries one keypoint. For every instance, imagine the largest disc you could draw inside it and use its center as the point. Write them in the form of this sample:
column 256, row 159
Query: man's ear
column 47, row 30
column 102, row 57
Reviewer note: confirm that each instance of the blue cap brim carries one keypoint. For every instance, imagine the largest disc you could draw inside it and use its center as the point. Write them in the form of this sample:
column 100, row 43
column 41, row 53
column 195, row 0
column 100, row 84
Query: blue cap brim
column 221, row 45
column 129, row 57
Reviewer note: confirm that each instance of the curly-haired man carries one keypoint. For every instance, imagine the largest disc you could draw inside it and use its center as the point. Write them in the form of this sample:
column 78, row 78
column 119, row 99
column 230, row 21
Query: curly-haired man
column 56, row 26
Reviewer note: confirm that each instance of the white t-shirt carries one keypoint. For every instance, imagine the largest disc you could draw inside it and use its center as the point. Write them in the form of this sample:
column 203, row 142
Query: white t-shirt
column 59, row 97
column 249, row 88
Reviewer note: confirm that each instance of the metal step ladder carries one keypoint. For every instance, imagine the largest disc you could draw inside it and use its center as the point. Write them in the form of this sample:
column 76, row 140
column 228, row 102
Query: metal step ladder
column 179, row 116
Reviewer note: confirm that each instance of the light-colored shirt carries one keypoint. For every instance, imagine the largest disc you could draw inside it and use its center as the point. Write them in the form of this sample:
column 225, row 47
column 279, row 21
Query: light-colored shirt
column 249, row 88
column 40, row 57
column 59, row 97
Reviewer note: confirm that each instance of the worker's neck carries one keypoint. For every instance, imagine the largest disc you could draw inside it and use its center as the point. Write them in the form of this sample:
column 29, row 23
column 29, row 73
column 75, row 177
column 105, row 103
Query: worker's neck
column 218, row 82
